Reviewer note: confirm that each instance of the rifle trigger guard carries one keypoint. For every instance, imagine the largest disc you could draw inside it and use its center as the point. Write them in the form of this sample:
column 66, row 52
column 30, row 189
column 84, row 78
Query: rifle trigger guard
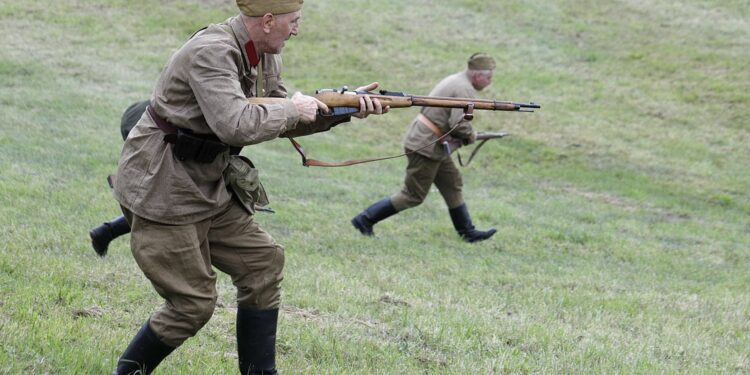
column 469, row 112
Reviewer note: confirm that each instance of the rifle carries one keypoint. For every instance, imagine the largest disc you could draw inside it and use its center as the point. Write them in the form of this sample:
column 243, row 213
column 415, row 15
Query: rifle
column 345, row 102
column 451, row 144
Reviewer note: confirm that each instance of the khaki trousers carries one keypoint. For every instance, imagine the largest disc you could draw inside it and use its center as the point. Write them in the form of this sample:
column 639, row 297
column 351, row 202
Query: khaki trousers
column 178, row 261
column 421, row 173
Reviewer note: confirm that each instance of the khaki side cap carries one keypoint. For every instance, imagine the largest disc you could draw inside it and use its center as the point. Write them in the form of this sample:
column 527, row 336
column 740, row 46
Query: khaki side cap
column 481, row 61
column 257, row 8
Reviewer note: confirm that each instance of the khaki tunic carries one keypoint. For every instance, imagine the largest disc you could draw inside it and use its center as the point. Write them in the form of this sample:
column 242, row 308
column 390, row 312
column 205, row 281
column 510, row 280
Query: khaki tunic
column 204, row 88
column 418, row 135
column 433, row 165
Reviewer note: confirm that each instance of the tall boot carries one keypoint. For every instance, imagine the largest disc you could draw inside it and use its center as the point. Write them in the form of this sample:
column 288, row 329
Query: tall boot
column 464, row 227
column 143, row 354
column 256, row 341
column 102, row 235
column 377, row 212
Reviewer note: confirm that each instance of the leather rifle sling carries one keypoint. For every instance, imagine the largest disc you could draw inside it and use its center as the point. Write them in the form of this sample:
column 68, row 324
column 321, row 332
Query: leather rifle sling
column 473, row 153
column 307, row 162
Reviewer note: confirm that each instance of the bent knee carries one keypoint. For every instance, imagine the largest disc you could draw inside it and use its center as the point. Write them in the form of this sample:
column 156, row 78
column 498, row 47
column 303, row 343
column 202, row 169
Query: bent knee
column 262, row 289
column 197, row 314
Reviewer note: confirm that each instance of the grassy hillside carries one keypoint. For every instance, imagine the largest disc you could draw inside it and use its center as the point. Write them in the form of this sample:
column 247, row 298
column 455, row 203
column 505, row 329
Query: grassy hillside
column 622, row 205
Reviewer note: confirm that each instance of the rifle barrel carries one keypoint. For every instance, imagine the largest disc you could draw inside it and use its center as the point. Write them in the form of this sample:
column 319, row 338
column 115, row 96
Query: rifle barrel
column 486, row 104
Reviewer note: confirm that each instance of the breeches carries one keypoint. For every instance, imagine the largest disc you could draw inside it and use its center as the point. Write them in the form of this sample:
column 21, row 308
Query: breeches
column 178, row 261
column 421, row 173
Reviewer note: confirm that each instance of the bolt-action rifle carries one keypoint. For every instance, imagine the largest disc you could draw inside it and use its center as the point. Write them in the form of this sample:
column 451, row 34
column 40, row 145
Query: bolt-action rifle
column 344, row 102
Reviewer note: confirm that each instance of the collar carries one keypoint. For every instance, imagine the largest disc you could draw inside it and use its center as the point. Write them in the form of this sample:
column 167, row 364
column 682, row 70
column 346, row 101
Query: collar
column 249, row 52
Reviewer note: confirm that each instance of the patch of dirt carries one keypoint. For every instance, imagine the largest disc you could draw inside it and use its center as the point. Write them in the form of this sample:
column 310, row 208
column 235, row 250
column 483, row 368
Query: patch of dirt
column 301, row 313
column 89, row 312
column 393, row 300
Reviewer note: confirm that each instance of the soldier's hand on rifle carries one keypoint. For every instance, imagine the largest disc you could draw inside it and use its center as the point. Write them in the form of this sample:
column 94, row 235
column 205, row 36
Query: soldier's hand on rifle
column 367, row 105
column 307, row 106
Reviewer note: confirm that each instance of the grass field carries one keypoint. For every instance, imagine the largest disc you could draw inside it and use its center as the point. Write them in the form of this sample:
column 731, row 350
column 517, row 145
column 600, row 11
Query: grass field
column 623, row 205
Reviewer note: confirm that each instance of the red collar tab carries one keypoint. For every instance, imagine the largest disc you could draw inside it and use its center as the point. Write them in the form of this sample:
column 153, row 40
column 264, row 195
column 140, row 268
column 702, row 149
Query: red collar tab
column 251, row 54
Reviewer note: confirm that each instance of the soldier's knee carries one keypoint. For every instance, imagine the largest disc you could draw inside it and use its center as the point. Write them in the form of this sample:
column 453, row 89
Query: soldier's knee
column 264, row 288
column 200, row 313
column 270, row 296
column 277, row 265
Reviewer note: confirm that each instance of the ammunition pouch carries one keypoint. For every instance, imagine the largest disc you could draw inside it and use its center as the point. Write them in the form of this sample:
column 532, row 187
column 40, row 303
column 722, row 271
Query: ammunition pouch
column 242, row 179
column 193, row 147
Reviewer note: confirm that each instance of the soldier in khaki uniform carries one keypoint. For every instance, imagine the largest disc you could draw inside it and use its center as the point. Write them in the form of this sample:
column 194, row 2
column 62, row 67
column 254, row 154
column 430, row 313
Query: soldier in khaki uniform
column 172, row 183
column 433, row 164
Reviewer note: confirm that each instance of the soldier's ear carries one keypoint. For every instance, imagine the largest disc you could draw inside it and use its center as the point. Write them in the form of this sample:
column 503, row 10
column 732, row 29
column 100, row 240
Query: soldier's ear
column 267, row 22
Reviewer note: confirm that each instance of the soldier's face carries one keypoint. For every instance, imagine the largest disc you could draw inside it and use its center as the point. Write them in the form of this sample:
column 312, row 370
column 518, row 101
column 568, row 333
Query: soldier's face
column 482, row 80
column 285, row 26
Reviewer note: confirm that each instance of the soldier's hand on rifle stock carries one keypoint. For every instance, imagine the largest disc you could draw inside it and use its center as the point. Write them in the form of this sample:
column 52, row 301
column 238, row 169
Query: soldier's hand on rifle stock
column 307, row 106
column 367, row 105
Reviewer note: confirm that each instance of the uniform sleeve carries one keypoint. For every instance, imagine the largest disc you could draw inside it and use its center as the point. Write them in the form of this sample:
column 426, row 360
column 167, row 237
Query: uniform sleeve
column 214, row 80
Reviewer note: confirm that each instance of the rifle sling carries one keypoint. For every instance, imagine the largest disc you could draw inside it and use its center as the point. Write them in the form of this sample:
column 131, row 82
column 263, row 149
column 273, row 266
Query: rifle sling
column 473, row 153
column 307, row 162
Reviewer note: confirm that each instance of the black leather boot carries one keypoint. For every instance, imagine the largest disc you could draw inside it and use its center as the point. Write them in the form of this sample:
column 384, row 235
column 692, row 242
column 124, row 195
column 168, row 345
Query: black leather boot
column 143, row 354
column 256, row 341
column 102, row 235
column 464, row 227
column 377, row 212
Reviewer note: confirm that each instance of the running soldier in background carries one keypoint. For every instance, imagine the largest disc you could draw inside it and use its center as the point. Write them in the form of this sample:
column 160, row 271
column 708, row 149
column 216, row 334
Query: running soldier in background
column 433, row 165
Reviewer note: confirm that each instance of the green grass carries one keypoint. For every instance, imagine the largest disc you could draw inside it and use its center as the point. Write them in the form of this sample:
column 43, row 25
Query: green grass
column 622, row 205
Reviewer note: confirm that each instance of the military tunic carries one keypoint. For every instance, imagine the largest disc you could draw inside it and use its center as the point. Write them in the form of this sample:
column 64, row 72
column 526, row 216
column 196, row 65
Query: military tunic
column 432, row 164
column 203, row 88
column 184, row 221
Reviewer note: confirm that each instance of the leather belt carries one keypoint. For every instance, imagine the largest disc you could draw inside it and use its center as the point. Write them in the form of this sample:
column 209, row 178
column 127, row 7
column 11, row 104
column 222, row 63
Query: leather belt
column 169, row 130
column 427, row 122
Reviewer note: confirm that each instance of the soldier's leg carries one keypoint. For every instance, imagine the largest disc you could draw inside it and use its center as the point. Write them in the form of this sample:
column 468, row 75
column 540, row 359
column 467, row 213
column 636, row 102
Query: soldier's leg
column 243, row 250
column 420, row 172
column 175, row 258
column 102, row 235
column 450, row 184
